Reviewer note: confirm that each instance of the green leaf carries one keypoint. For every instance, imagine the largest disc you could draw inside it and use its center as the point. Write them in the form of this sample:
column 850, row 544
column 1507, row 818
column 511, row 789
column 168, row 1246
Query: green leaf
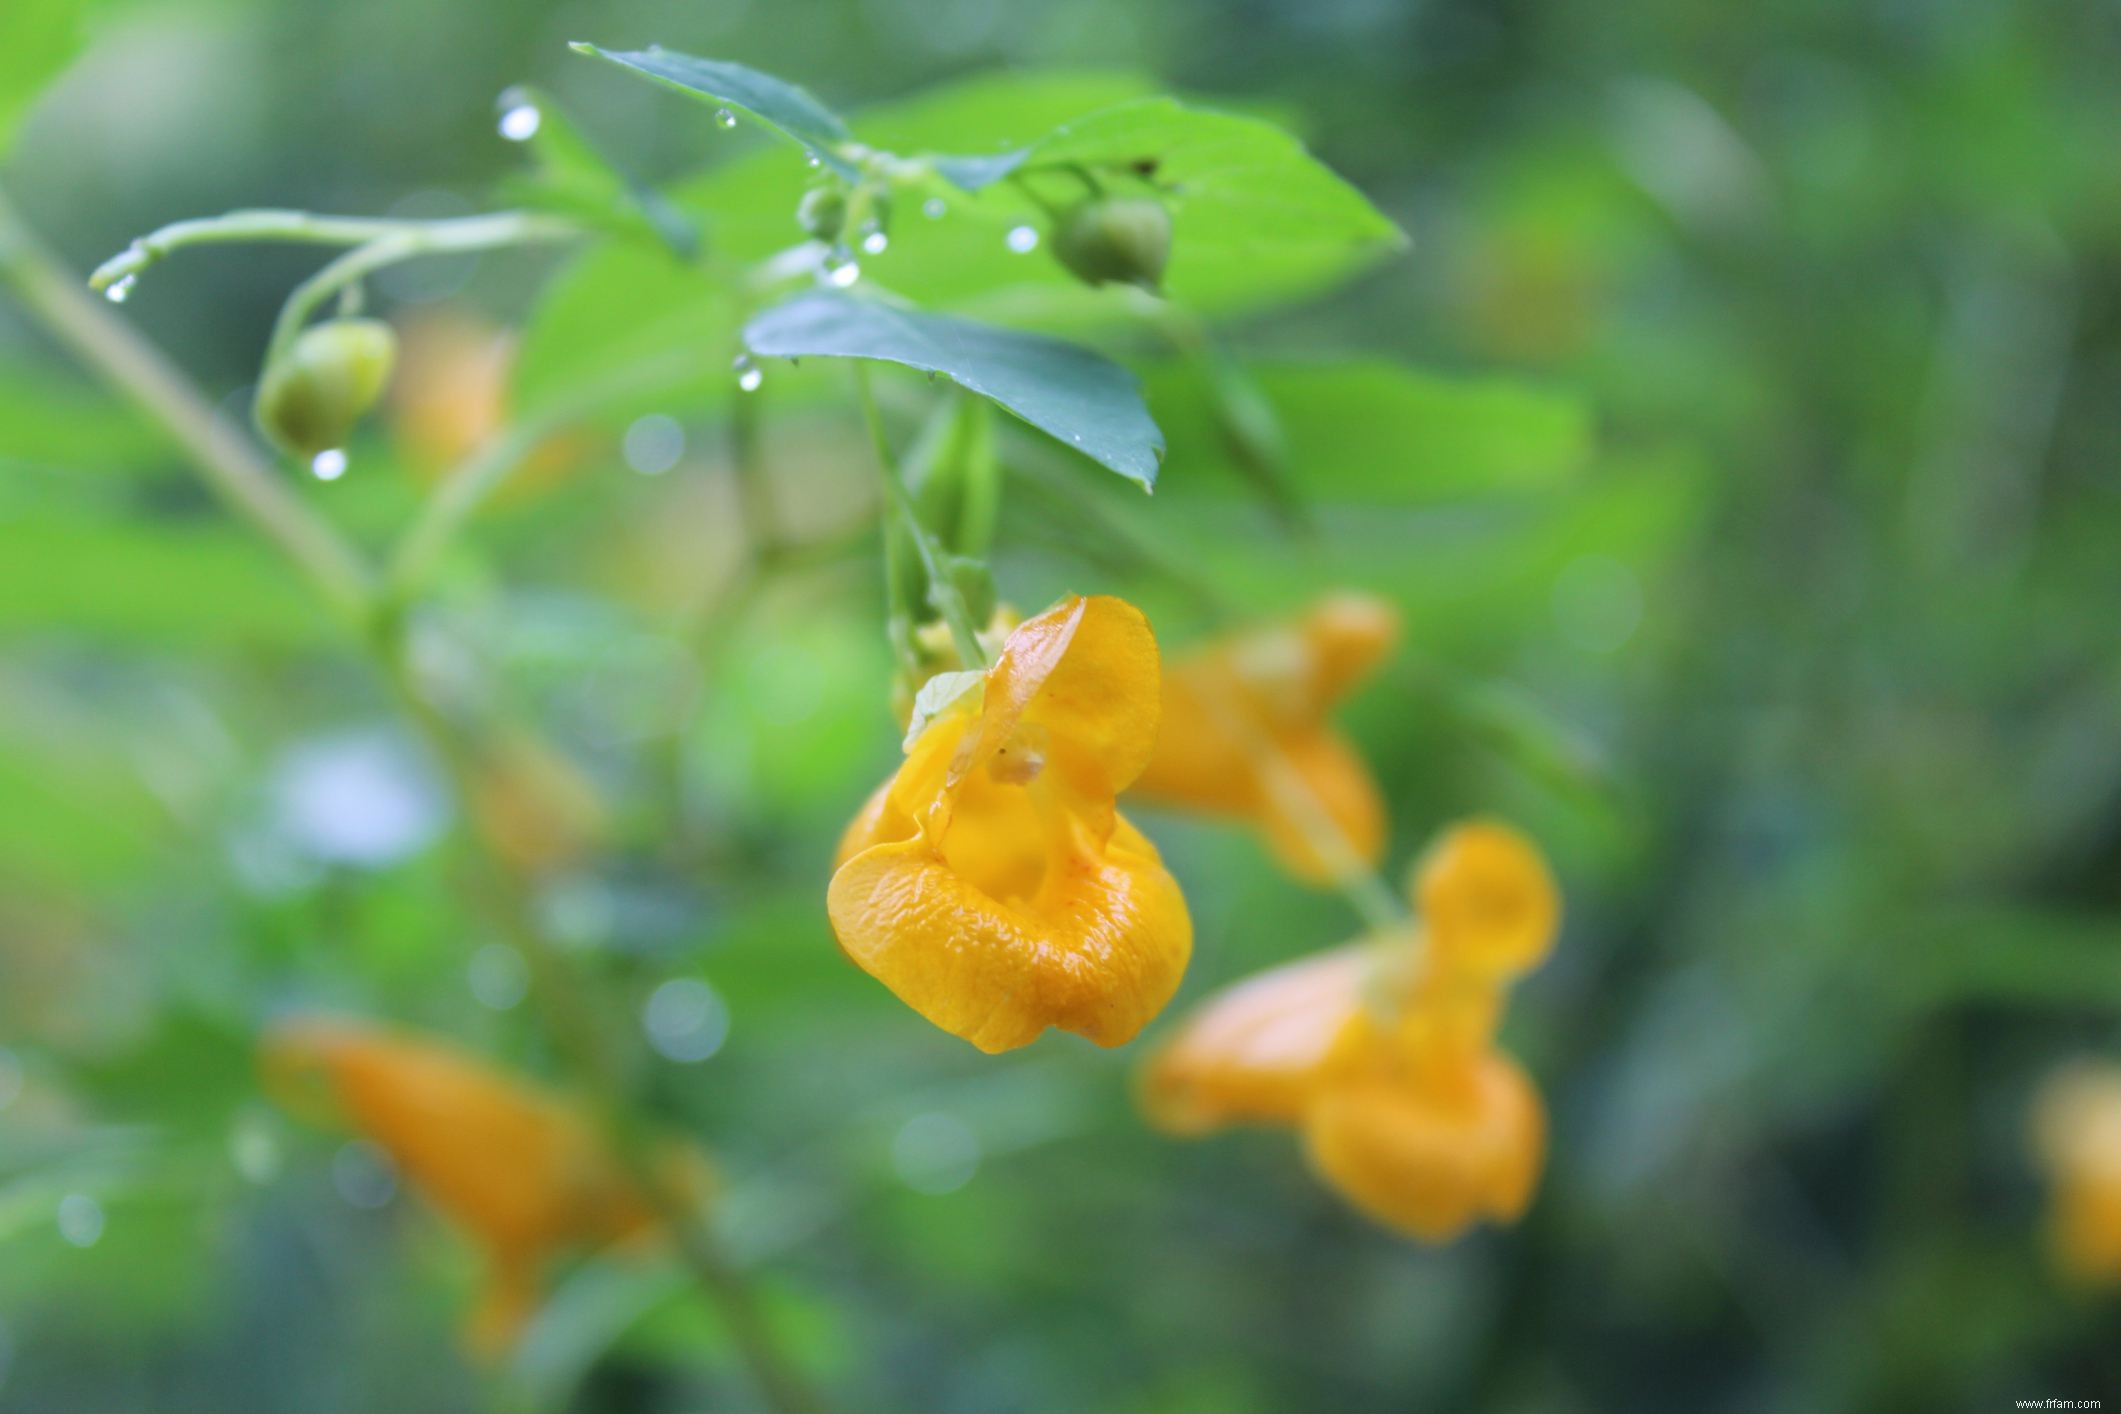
column 776, row 104
column 620, row 307
column 1078, row 398
column 38, row 39
column 146, row 580
column 50, row 419
column 1380, row 433
column 575, row 179
column 937, row 696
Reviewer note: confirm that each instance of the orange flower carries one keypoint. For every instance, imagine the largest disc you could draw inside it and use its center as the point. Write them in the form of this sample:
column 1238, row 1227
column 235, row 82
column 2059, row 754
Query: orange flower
column 1382, row 1053
column 2077, row 1137
column 522, row 1173
column 1246, row 735
column 991, row 884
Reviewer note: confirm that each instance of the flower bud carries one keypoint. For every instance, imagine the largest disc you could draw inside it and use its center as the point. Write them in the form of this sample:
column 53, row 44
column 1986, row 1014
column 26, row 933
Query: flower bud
column 1116, row 240
column 311, row 398
column 822, row 212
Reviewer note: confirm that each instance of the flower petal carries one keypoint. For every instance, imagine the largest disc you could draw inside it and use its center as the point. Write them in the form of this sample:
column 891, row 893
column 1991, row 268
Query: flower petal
column 1431, row 1158
column 1487, row 900
column 1250, row 1053
column 1086, row 671
column 1098, row 951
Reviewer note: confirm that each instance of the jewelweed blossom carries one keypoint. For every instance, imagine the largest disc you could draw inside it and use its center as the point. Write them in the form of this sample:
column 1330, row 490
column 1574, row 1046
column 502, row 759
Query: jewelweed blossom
column 2077, row 1139
column 524, row 1174
column 992, row 884
column 1247, row 734
column 1382, row 1054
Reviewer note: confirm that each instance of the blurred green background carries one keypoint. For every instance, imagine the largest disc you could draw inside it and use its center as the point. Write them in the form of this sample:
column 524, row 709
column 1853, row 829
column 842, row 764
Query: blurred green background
column 1756, row 524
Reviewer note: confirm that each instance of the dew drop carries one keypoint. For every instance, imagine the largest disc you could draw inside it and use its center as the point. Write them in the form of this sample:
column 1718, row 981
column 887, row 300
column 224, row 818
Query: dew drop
column 933, row 208
column 520, row 123
column 1023, row 239
column 329, row 464
column 653, row 444
column 748, row 374
column 812, row 162
column 80, row 1220
column 841, row 270
column 686, row 1020
column 723, row 118
column 120, row 289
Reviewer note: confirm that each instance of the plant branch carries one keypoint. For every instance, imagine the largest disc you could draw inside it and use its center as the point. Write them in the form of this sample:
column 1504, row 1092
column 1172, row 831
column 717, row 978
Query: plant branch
column 234, row 467
column 308, row 228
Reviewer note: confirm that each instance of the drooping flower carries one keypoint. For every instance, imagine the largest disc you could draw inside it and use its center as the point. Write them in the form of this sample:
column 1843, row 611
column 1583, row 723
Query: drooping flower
column 2077, row 1138
column 1382, row 1054
column 992, row 884
column 1247, row 735
column 522, row 1173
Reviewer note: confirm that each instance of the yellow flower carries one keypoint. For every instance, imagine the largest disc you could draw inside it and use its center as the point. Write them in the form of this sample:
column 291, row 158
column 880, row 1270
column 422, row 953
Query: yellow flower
column 1383, row 1053
column 2077, row 1136
column 523, row 1174
column 991, row 884
column 1246, row 735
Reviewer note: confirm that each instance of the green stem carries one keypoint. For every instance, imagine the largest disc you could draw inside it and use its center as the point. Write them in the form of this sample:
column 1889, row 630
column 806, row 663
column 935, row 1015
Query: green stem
column 307, row 228
column 942, row 590
column 230, row 463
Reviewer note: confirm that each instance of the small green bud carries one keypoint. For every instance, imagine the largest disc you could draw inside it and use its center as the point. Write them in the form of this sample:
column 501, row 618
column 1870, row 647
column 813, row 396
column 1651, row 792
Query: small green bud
column 822, row 212
column 1116, row 240
column 310, row 400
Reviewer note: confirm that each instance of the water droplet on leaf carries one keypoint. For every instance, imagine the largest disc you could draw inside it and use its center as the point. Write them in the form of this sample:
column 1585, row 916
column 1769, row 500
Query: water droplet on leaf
column 748, row 374
column 329, row 464
column 1023, row 239
column 841, row 270
column 520, row 123
column 723, row 118
column 119, row 289
column 933, row 208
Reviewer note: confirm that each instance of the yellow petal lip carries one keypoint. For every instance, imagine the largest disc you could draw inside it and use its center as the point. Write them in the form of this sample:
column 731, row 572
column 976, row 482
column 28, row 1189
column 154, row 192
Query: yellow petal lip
column 1487, row 899
column 1432, row 1159
column 1099, row 952
column 1251, row 1053
column 990, row 884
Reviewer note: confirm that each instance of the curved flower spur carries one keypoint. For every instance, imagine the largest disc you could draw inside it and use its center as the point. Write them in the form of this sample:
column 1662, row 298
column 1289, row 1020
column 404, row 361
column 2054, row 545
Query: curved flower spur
column 992, row 884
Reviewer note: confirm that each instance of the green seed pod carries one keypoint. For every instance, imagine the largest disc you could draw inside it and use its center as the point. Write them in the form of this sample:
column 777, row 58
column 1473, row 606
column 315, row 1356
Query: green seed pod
column 822, row 212
column 1116, row 240
column 310, row 400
